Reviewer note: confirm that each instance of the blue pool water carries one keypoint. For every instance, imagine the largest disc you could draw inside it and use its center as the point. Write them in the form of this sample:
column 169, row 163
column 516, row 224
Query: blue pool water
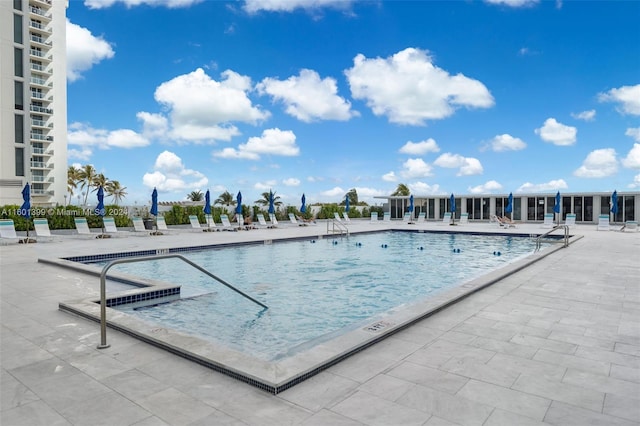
column 315, row 289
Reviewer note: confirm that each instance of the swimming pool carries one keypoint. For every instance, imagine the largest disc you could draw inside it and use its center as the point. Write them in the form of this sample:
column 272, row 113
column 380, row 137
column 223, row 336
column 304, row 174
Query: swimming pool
column 501, row 255
column 315, row 289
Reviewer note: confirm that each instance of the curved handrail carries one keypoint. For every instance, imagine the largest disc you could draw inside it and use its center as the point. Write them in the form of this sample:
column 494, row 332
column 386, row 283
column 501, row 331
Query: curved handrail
column 342, row 227
column 565, row 238
column 103, row 292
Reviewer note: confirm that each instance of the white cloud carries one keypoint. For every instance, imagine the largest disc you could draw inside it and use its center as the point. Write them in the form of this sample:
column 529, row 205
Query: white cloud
column 253, row 6
column 633, row 132
column 422, row 188
column 153, row 125
column 84, row 135
column 585, row 115
column 170, row 175
column 272, row 142
column 265, row 186
column 84, row 50
column 415, row 168
column 409, row 89
column 557, row 133
column 291, row 182
column 636, row 182
column 335, row 192
column 390, row 177
column 308, row 98
column 513, row 3
column 599, row 163
column 632, row 160
column 171, row 4
column 485, row 188
column 201, row 109
column 628, row 98
column 507, row 142
column 554, row 185
column 467, row 165
column 83, row 154
column 420, row 148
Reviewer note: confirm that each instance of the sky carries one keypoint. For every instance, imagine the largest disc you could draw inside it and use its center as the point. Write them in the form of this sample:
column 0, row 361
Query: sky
column 322, row 96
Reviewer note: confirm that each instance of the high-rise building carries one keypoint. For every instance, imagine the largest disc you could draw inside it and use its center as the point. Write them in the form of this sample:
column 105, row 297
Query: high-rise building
column 33, row 101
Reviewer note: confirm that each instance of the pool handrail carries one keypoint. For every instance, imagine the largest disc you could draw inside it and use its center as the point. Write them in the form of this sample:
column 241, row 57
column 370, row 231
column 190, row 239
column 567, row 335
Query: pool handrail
column 565, row 238
column 103, row 287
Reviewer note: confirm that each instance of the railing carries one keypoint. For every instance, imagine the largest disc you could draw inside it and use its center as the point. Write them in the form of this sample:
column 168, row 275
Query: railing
column 103, row 285
column 337, row 227
column 555, row 228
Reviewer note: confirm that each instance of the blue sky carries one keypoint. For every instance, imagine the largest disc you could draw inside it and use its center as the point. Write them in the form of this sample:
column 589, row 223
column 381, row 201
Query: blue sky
column 322, row 96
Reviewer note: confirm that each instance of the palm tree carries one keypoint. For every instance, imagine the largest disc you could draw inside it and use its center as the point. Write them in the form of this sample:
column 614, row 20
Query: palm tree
column 100, row 180
column 225, row 199
column 264, row 201
column 73, row 178
column 195, row 195
column 115, row 190
column 87, row 176
column 402, row 189
column 353, row 197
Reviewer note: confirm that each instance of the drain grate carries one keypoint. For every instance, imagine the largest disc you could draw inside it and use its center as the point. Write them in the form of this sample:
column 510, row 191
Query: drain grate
column 377, row 327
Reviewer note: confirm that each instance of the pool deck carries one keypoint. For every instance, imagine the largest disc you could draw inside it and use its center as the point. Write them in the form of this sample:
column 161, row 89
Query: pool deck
column 556, row 343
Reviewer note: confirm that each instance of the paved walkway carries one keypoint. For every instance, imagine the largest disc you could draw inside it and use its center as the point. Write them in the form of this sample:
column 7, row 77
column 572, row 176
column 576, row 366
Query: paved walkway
column 557, row 343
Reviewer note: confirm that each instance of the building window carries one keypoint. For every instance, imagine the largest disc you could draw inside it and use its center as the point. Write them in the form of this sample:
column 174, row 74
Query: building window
column 17, row 4
column 19, row 161
column 19, row 95
column 17, row 28
column 629, row 207
column 19, row 128
column 17, row 62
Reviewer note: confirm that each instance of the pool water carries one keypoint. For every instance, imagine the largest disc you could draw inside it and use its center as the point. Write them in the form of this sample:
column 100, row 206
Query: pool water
column 315, row 289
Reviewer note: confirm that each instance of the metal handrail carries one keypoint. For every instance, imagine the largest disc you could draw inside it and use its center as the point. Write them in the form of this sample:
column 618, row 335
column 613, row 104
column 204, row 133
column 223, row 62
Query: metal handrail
column 565, row 238
column 337, row 224
column 103, row 287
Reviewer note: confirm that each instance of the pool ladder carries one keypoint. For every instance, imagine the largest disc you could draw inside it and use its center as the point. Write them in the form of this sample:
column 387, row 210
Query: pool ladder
column 337, row 227
column 103, row 286
column 555, row 228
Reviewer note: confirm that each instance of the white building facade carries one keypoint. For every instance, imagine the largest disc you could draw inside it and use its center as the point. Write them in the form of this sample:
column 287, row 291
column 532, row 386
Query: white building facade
column 33, row 101
column 586, row 206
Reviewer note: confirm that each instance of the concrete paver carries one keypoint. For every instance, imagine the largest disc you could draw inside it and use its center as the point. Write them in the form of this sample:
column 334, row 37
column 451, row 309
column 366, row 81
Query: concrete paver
column 556, row 343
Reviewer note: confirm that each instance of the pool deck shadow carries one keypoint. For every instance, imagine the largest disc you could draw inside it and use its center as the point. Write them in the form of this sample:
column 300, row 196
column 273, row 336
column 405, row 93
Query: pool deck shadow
column 555, row 343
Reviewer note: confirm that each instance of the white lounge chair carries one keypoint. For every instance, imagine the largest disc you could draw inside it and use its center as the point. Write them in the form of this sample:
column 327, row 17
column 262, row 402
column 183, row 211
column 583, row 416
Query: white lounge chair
column 422, row 217
column 630, row 225
column 111, row 228
column 374, row 217
column 570, row 219
column 346, row 217
column 211, row 224
column 262, row 223
column 8, row 231
column 548, row 220
column 446, row 219
column 294, row 221
column 337, row 216
column 386, row 217
column 464, row 219
column 82, row 226
column 138, row 226
column 43, row 232
column 226, row 224
column 603, row 222
column 195, row 223
column 407, row 218
column 161, row 224
column 274, row 221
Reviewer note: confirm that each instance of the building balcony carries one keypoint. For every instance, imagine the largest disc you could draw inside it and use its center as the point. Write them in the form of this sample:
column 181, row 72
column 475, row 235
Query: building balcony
column 42, row 179
column 39, row 27
column 39, row 68
column 40, row 109
column 42, row 151
column 41, row 192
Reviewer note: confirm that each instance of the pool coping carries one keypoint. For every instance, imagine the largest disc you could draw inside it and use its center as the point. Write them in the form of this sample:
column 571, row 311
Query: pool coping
column 277, row 376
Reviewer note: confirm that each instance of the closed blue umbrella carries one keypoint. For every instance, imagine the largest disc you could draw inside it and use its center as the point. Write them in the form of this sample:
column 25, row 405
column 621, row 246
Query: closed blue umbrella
column 346, row 204
column 411, row 207
column 509, row 207
column 272, row 209
column 614, row 204
column 239, row 204
column 303, row 208
column 100, row 211
column 556, row 206
column 154, row 202
column 452, row 202
column 207, row 203
column 25, row 208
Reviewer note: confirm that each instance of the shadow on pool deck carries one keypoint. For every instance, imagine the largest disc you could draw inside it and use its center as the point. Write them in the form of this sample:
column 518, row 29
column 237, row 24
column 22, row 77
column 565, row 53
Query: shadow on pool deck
column 557, row 342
